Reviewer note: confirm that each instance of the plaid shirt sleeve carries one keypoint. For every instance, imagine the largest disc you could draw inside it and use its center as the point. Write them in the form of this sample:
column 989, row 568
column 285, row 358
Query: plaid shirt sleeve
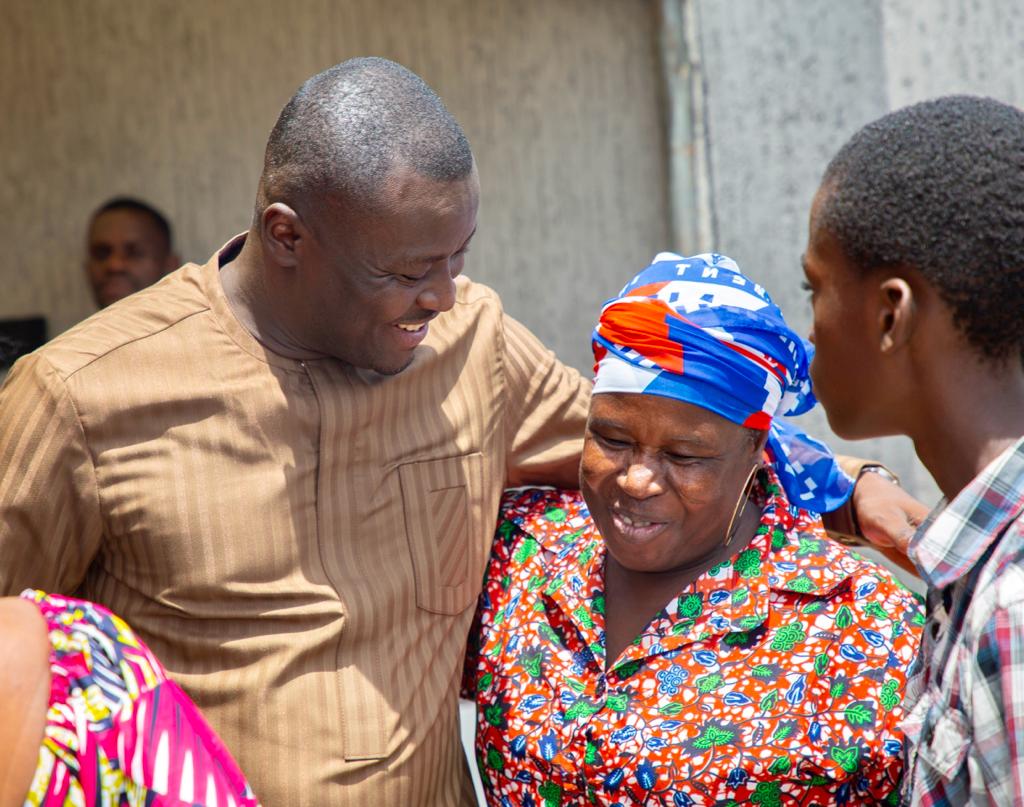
column 997, row 693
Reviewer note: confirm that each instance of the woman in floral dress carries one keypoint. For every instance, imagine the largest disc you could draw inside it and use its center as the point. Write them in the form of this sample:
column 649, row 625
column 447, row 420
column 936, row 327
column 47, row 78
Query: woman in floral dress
column 682, row 631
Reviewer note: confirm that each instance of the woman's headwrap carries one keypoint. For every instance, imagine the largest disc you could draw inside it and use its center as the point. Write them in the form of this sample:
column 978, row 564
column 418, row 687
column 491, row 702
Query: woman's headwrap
column 697, row 330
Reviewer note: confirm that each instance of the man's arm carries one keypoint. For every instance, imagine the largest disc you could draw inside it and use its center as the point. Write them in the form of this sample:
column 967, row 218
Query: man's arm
column 880, row 512
column 546, row 412
column 50, row 523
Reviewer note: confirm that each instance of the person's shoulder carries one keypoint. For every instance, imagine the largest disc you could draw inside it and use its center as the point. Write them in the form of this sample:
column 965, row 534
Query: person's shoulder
column 553, row 517
column 143, row 315
column 871, row 578
column 1007, row 587
column 22, row 631
column 873, row 592
column 865, row 610
column 476, row 313
column 472, row 294
column 1006, row 565
column 998, row 595
column 845, row 575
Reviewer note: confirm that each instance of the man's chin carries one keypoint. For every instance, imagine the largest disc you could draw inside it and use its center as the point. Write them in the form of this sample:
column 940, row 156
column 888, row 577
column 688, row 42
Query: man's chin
column 847, row 426
column 393, row 368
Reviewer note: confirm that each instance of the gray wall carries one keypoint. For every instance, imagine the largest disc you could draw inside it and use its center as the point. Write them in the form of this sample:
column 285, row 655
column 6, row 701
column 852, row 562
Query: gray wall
column 787, row 82
column 172, row 100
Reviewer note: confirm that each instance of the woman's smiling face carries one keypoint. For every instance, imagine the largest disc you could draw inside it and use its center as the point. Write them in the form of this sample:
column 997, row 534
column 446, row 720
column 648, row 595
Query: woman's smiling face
column 662, row 478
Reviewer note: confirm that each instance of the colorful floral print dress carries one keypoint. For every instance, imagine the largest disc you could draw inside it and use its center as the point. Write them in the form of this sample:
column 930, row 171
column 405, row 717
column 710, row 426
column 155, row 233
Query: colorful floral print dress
column 775, row 679
column 119, row 732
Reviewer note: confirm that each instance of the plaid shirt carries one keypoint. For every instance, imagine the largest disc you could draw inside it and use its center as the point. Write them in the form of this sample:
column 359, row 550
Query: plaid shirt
column 965, row 728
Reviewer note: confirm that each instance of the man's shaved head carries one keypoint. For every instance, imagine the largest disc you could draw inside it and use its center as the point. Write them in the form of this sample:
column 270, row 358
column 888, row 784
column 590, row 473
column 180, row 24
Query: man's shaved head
column 365, row 210
column 348, row 127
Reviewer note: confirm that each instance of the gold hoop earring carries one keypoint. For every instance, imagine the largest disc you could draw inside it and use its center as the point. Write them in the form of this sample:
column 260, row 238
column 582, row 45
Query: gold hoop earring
column 740, row 503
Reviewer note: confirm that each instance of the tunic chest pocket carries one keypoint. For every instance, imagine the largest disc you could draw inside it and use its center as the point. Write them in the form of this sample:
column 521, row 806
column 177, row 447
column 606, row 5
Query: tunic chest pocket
column 443, row 505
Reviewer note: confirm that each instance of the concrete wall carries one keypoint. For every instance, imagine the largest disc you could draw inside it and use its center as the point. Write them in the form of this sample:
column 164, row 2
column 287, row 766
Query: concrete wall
column 787, row 82
column 938, row 47
column 172, row 100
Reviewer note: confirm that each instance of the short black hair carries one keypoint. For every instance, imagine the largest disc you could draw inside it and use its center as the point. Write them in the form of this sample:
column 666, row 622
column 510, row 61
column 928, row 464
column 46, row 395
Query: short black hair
column 346, row 128
column 138, row 206
column 939, row 186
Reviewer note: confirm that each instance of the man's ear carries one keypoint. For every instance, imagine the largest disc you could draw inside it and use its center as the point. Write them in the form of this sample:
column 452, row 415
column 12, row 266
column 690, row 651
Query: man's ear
column 897, row 314
column 282, row 231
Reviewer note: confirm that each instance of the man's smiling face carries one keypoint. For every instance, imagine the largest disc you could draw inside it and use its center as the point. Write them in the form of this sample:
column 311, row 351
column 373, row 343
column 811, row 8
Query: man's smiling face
column 373, row 279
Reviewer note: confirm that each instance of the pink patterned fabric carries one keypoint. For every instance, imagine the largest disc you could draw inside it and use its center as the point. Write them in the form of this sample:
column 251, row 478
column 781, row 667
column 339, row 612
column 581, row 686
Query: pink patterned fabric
column 118, row 730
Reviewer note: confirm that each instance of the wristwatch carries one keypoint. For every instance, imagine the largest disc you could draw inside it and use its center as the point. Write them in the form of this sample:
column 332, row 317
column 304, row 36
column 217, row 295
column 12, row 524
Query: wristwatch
column 882, row 471
column 842, row 523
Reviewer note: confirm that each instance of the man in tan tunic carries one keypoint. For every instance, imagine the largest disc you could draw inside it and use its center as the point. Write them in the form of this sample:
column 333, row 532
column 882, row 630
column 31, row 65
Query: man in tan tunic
column 283, row 467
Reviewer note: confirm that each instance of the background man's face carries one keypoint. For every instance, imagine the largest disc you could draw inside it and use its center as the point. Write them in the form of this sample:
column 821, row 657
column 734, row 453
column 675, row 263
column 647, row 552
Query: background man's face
column 125, row 252
column 373, row 279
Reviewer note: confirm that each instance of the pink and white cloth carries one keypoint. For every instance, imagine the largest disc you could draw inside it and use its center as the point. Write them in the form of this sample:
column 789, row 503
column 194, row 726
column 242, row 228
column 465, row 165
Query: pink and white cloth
column 118, row 730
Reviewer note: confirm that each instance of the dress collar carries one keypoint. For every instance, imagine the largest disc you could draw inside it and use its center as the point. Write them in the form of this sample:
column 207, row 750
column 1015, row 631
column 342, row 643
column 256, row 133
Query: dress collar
column 790, row 552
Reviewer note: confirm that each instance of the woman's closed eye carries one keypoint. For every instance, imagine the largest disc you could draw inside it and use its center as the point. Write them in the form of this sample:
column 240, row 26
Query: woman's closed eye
column 613, row 443
column 683, row 459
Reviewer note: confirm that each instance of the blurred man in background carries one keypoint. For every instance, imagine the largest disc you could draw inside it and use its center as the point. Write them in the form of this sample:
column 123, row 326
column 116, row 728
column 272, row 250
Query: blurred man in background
column 128, row 247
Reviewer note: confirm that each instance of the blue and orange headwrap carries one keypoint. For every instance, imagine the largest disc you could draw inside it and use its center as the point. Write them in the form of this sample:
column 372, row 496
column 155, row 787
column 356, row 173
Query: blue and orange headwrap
column 698, row 330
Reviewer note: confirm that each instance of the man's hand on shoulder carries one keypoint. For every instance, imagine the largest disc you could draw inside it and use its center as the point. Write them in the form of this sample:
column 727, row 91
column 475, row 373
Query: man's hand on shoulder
column 887, row 517
column 879, row 514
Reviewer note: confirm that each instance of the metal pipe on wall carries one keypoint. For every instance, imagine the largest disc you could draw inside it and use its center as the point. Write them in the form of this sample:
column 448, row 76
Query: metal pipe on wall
column 690, row 202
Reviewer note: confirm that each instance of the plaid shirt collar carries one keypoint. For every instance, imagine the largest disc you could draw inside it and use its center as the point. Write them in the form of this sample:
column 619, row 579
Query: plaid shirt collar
column 953, row 537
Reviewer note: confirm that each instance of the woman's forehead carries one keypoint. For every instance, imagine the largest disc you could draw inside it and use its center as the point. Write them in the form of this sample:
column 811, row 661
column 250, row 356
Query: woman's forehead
column 672, row 420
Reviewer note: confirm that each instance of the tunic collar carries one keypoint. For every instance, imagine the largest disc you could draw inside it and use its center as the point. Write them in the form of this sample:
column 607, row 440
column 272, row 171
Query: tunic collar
column 225, row 317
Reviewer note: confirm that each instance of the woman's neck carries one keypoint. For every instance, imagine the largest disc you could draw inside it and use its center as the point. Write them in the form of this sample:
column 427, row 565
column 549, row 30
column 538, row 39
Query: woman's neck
column 633, row 599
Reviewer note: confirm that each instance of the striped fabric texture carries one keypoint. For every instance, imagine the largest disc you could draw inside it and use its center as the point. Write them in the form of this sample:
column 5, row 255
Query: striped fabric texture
column 300, row 543
column 965, row 730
